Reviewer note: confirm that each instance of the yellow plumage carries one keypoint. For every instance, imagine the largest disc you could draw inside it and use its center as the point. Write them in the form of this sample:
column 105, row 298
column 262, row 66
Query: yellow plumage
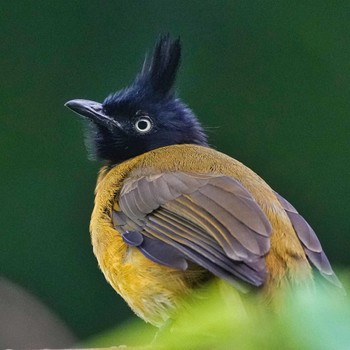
column 154, row 291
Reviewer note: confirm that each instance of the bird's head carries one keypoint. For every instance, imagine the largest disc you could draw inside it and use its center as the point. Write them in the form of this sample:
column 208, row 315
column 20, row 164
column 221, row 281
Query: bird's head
column 143, row 116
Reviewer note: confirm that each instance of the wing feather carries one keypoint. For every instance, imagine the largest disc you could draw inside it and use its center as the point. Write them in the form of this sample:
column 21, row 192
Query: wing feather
column 310, row 242
column 241, row 206
column 211, row 220
column 187, row 228
column 211, row 225
column 205, row 259
column 237, row 229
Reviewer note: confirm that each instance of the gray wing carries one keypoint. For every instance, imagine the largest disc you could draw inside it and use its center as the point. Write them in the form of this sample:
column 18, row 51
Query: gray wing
column 212, row 221
column 310, row 242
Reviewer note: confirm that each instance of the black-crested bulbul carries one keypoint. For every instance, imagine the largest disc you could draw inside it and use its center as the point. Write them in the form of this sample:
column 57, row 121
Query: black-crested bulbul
column 171, row 213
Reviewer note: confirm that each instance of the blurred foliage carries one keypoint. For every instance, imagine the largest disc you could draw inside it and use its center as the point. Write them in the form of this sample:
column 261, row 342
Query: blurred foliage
column 269, row 79
column 304, row 319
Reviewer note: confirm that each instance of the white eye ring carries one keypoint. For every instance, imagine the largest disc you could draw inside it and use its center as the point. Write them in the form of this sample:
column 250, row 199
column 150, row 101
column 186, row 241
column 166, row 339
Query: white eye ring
column 143, row 125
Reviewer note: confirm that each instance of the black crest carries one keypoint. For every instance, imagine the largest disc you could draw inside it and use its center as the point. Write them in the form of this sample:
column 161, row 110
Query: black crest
column 150, row 100
column 159, row 72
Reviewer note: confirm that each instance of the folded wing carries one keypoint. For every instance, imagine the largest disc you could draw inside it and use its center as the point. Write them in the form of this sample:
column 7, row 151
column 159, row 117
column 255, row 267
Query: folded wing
column 212, row 221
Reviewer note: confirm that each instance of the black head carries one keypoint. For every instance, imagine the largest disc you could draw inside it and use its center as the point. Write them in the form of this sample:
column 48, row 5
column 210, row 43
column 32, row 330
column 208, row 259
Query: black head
column 144, row 116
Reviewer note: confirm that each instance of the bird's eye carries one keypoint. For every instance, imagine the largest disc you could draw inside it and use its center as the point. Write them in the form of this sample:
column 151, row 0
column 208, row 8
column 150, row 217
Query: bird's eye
column 143, row 125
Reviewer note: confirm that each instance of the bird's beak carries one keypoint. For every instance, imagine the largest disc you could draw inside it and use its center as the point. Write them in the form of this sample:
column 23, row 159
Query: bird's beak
column 91, row 110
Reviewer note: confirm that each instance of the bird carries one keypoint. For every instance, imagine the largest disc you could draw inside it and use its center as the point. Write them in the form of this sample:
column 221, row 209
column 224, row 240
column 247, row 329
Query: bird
column 171, row 213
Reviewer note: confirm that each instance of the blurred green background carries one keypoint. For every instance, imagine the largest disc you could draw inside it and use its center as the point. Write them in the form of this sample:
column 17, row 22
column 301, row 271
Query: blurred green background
column 270, row 80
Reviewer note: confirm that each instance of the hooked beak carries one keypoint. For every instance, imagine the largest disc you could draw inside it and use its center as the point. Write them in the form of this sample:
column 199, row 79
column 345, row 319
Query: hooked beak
column 91, row 110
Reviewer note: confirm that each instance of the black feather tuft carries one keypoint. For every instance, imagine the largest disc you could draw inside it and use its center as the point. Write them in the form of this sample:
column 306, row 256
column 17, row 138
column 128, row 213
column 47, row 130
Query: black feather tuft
column 151, row 95
column 160, row 71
